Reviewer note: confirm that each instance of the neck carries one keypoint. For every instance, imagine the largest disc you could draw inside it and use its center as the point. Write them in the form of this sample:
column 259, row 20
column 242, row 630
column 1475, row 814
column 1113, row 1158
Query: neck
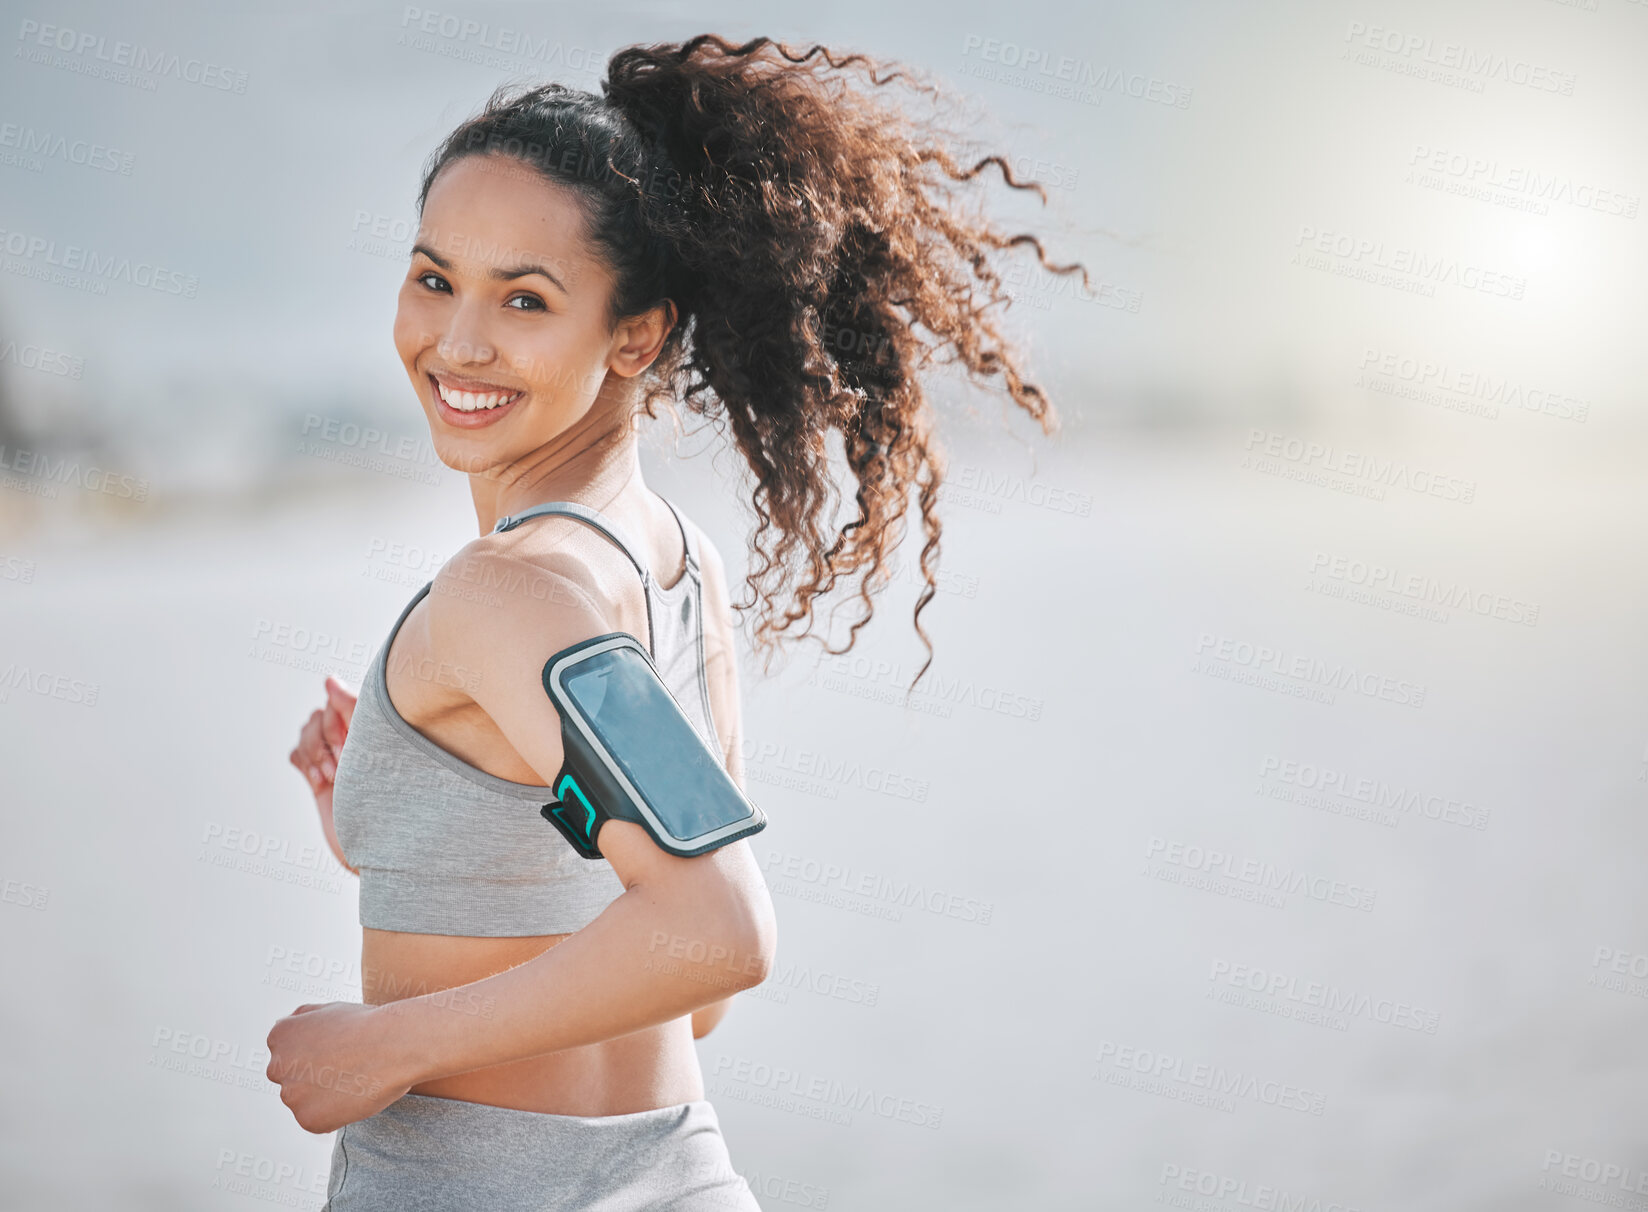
column 592, row 463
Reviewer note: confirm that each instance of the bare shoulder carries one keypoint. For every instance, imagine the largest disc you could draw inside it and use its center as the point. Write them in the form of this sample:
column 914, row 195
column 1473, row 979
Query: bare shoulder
column 499, row 611
column 501, row 597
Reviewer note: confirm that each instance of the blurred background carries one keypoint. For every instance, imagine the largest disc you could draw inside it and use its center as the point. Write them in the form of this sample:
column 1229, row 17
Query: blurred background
column 1269, row 830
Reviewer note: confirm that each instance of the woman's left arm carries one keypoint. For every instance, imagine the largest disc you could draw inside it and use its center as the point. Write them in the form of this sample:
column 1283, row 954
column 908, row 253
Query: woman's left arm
column 684, row 933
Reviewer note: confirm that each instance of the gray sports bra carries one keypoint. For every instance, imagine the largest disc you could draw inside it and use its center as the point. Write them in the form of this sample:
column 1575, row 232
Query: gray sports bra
column 442, row 846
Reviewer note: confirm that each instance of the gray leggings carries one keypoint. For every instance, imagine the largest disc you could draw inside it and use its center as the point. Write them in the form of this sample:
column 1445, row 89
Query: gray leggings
column 422, row 1153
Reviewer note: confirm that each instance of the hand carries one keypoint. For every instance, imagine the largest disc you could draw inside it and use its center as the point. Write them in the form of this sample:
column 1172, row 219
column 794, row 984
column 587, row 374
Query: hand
column 322, row 737
column 332, row 1062
column 316, row 756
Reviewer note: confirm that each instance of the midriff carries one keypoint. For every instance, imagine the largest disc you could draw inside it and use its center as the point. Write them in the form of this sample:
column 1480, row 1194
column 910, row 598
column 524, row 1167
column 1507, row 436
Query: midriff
column 654, row 1067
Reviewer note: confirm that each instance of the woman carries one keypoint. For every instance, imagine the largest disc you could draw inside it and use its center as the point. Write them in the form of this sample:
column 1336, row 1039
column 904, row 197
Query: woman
column 733, row 228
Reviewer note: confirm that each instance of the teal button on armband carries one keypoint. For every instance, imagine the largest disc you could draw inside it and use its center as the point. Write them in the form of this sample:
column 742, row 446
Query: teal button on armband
column 580, row 833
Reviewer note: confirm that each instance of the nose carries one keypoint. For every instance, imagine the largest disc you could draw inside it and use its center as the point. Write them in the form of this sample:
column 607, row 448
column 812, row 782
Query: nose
column 465, row 341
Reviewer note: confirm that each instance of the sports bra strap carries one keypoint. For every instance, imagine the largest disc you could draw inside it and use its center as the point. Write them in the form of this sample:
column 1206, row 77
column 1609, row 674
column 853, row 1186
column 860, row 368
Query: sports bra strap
column 688, row 539
column 583, row 513
column 608, row 527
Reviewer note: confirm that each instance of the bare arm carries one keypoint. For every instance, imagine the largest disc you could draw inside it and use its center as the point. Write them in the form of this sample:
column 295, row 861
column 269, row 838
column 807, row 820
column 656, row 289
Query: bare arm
column 709, row 1017
column 613, row 977
column 684, row 933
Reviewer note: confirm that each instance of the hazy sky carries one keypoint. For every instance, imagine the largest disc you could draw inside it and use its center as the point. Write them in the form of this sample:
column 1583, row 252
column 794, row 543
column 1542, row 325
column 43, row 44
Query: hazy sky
column 1216, row 142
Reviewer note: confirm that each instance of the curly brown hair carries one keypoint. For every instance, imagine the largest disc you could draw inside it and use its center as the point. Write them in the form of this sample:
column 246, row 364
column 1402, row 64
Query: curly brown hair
column 811, row 237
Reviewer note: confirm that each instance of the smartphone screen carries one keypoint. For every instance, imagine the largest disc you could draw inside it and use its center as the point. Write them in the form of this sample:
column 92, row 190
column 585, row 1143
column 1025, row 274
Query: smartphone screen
column 644, row 729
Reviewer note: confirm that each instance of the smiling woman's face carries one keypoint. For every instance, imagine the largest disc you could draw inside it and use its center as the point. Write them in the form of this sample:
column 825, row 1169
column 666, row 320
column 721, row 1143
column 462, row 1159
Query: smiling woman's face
column 502, row 319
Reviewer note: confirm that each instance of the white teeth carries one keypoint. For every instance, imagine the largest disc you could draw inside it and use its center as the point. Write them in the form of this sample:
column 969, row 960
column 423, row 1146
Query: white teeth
column 469, row 401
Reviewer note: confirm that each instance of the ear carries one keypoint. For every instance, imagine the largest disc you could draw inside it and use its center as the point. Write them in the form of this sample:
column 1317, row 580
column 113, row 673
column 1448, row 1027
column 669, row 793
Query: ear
column 637, row 339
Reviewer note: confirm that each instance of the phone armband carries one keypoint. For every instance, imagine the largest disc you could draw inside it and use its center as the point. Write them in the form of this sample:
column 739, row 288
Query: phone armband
column 631, row 754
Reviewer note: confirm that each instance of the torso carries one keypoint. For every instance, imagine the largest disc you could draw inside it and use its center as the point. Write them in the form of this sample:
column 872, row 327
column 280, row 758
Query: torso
column 654, row 1067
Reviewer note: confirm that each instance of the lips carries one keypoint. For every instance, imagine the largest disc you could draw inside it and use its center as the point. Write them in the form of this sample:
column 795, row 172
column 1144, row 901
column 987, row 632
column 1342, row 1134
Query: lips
column 473, row 396
column 469, row 403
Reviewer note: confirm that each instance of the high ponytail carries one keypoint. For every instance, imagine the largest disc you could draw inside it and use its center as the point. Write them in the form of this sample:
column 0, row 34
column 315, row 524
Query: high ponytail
column 809, row 238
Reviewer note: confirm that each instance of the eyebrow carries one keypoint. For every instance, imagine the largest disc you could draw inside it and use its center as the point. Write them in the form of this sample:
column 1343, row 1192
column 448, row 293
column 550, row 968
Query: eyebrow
column 499, row 272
